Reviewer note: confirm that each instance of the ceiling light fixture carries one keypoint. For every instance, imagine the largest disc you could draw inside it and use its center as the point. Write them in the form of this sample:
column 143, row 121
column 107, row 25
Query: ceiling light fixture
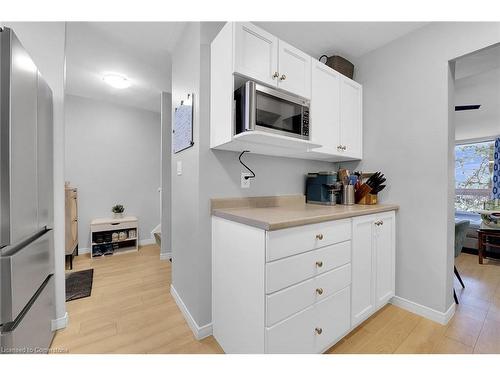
column 116, row 80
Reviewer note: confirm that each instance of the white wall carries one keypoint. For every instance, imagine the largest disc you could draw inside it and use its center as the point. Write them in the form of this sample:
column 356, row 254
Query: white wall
column 408, row 134
column 113, row 156
column 481, row 89
column 45, row 42
column 212, row 174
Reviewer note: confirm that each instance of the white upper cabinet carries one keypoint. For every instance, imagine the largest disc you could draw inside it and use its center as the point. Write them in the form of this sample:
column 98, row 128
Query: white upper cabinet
column 255, row 53
column 325, row 109
column 242, row 51
column 351, row 126
column 294, row 70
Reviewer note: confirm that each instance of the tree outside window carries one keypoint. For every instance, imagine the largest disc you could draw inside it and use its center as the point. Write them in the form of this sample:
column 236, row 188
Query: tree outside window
column 473, row 175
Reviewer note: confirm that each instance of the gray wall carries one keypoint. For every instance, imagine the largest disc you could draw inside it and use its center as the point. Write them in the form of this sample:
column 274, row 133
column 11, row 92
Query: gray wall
column 212, row 174
column 113, row 156
column 409, row 134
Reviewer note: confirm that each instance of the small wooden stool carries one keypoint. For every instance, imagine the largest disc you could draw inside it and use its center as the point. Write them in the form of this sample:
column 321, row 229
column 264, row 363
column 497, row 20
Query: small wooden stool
column 484, row 237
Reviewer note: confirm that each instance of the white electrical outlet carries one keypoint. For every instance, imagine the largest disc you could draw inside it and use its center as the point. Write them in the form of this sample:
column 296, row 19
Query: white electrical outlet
column 179, row 167
column 245, row 182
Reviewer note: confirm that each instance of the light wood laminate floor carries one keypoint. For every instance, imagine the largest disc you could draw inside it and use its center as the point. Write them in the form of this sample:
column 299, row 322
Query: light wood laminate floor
column 131, row 311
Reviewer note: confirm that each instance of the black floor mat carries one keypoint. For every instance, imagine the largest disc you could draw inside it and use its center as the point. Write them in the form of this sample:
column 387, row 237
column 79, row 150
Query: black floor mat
column 79, row 284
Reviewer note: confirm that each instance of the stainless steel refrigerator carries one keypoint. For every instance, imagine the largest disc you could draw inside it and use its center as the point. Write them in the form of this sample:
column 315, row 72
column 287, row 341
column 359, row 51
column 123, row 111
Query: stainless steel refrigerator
column 27, row 293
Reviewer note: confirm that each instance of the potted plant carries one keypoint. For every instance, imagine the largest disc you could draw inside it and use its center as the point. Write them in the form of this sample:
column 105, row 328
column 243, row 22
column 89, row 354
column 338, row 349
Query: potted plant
column 117, row 211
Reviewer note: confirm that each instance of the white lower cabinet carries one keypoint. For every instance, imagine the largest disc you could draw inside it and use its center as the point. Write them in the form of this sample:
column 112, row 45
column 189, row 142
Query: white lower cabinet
column 373, row 264
column 300, row 301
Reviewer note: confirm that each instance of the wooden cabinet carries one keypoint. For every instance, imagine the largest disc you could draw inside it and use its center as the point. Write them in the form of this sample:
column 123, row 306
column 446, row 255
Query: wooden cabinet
column 71, row 219
column 242, row 51
column 373, row 264
column 270, row 296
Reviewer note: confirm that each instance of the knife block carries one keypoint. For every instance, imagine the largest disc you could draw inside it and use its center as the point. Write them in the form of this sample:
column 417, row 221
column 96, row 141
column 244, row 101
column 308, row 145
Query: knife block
column 369, row 199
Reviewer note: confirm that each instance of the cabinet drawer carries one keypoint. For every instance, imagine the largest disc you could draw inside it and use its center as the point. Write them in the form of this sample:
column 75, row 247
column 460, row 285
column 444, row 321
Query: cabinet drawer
column 314, row 329
column 291, row 241
column 114, row 226
column 333, row 318
column 285, row 272
column 288, row 301
column 294, row 335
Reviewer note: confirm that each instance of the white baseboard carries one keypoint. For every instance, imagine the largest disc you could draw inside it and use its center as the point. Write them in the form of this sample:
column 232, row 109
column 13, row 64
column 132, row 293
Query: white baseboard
column 426, row 312
column 85, row 250
column 166, row 256
column 60, row 323
column 198, row 332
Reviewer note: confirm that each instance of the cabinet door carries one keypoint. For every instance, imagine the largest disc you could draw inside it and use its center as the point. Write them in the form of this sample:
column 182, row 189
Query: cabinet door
column 351, row 126
column 294, row 68
column 384, row 239
column 363, row 280
column 255, row 53
column 325, row 110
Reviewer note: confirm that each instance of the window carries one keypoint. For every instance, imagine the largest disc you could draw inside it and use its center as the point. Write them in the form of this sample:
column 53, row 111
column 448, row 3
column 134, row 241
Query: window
column 473, row 175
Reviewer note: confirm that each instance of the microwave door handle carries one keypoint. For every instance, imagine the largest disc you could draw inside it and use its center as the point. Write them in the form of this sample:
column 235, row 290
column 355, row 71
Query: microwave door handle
column 250, row 105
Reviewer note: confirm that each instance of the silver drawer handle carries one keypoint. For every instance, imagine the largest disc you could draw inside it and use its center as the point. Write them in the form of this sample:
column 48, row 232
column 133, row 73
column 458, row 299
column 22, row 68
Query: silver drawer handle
column 318, row 330
column 319, row 236
column 319, row 291
column 319, row 263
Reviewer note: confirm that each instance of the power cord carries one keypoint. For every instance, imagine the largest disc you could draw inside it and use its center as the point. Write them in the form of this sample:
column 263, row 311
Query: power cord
column 243, row 164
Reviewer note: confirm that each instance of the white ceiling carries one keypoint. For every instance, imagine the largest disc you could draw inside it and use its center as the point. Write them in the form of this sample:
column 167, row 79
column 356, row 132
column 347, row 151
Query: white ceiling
column 348, row 39
column 141, row 51
column 478, row 62
column 138, row 50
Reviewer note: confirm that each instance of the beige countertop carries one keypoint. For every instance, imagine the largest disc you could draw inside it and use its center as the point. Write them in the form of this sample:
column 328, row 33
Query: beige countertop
column 272, row 213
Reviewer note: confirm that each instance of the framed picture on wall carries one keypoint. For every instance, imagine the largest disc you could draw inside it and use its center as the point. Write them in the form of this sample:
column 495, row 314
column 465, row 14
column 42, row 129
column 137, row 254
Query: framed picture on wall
column 182, row 132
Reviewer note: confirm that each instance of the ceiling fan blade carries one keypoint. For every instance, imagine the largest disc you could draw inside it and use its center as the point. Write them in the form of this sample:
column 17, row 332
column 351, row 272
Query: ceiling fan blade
column 467, row 107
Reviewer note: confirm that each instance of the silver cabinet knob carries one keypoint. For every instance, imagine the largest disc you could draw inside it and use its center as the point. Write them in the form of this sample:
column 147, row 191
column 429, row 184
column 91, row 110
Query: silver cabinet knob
column 378, row 223
column 318, row 330
column 344, row 147
column 319, row 264
column 283, row 77
column 319, row 291
column 319, row 236
column 275, row 75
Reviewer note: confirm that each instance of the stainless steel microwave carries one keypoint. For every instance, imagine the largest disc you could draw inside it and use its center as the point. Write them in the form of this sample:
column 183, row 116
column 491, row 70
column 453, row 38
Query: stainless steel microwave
column 262, row 108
